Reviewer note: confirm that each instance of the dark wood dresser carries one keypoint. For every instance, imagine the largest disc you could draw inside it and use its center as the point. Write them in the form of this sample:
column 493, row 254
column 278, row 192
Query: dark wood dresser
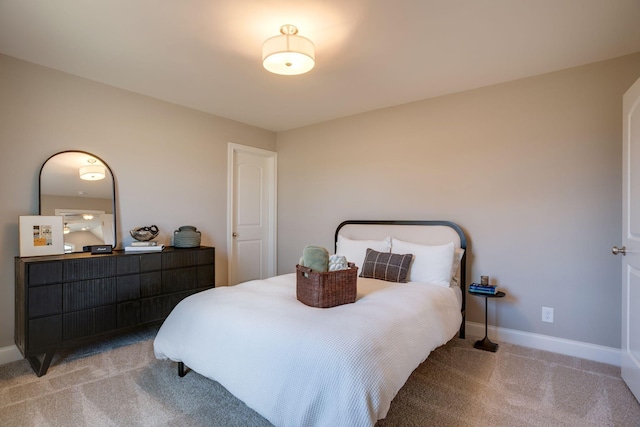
column 69, row 300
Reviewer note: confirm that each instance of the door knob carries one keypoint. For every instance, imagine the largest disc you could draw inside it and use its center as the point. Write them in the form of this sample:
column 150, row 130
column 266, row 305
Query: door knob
column 616, row 250
column 234, row 234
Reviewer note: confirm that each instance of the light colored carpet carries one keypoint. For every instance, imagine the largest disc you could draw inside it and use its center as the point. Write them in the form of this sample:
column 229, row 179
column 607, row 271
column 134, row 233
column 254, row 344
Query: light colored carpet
column 120, row 383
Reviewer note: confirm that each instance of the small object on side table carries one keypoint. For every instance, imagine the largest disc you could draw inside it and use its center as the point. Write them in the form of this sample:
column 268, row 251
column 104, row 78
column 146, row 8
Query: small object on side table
column 486, row 343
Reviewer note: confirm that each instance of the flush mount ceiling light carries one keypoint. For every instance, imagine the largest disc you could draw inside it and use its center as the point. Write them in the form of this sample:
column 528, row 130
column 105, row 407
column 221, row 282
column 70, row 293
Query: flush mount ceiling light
column 288, row 54
column 92, row 172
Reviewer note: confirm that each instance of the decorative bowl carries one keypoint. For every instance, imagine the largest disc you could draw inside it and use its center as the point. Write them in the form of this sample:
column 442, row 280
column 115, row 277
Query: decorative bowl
column 144, row 234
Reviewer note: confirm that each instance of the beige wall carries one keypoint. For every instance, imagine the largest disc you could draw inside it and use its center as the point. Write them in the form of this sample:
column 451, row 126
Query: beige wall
column 531, row 170
column 169, row 162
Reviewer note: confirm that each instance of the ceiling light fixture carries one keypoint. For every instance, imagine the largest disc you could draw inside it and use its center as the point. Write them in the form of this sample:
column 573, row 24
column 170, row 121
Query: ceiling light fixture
column 92, row 172
column 288, row 54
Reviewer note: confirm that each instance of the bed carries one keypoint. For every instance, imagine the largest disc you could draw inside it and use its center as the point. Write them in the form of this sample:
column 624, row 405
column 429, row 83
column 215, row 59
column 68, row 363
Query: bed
column 303, row 366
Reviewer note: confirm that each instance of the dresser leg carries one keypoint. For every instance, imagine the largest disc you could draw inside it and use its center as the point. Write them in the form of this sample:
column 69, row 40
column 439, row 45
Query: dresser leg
column 39, row 367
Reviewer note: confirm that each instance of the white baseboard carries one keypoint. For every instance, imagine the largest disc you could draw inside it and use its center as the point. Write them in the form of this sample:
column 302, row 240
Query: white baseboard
column 9, row 354
column 598, row 353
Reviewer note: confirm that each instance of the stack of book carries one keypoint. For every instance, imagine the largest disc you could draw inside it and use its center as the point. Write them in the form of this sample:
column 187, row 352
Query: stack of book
column 483, row 289
column 144, row 247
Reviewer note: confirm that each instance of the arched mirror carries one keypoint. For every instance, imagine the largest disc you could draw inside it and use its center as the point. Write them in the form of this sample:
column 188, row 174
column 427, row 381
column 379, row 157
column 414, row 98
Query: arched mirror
column 80, row 187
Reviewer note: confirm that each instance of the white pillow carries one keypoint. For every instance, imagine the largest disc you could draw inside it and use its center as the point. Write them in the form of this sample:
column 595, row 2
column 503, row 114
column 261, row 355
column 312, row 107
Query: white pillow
column 457, row 258
column 356, row 250
column 431, row 264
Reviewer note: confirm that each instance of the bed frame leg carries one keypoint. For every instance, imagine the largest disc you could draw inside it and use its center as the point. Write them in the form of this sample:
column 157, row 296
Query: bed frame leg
column 181, row 371
column 462, row 326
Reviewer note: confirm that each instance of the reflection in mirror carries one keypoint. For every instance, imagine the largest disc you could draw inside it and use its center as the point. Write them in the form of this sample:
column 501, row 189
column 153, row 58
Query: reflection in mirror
column 80, row 187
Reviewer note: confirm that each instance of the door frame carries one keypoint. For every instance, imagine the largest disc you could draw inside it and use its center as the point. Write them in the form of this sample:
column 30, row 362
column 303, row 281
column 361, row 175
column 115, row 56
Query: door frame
column 272, row 226
column 629, row 364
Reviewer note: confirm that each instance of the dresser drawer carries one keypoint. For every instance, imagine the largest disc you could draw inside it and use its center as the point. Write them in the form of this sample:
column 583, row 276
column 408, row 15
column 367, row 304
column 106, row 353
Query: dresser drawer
column 44, row 273
column 44, row 332
column 88, row 293
column 84, row 323
column 88, row 268
column 179, row 279
column 150, row 284
column 128, row 314
column 128, row 287
column 150, row 262
column 45, row 300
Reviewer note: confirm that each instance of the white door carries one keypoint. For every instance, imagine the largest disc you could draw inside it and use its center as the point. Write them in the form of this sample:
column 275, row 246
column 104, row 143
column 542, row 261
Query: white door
column 631, row 240
column 252, row 213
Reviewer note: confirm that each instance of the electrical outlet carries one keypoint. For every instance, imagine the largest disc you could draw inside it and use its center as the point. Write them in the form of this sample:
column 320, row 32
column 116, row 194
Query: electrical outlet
column 547, row 314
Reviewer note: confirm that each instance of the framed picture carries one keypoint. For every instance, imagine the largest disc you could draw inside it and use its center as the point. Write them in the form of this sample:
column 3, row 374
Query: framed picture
column 41, row 235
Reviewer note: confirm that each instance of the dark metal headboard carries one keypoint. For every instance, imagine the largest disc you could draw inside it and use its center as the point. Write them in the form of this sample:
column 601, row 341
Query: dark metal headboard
column 451, row 229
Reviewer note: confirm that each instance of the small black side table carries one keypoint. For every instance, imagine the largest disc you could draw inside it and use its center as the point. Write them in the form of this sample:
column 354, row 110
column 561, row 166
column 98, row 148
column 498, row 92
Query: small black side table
column 485, row 343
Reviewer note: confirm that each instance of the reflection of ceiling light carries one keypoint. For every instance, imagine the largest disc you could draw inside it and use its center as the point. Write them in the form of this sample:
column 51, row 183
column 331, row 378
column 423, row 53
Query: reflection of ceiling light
column 66, row 229
column 87, row 216
column 92, row 172
column 289, row 53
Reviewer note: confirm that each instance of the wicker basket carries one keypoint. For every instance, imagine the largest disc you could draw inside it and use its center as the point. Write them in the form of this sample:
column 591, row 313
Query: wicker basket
column 324, row 290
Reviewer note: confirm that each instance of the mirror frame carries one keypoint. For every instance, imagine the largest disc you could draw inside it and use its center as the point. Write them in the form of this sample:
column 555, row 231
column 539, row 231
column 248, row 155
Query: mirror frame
column 113, row 188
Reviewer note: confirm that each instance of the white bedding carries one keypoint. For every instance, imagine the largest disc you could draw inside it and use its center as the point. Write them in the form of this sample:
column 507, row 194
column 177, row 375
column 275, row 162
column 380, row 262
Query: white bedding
column 302, row 366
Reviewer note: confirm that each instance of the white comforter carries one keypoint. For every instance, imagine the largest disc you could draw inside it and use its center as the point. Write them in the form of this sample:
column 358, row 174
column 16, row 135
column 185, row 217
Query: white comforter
column 303, row 366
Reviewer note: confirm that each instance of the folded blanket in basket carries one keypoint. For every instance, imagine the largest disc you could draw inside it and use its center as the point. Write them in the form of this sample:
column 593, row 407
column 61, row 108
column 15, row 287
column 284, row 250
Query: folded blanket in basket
column 316, row 258
column 338, row 262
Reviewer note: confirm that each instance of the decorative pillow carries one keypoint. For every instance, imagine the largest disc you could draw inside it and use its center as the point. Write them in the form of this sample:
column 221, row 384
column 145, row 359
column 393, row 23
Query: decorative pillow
column 386, row 266
column 432, row 264
column 355, row 250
